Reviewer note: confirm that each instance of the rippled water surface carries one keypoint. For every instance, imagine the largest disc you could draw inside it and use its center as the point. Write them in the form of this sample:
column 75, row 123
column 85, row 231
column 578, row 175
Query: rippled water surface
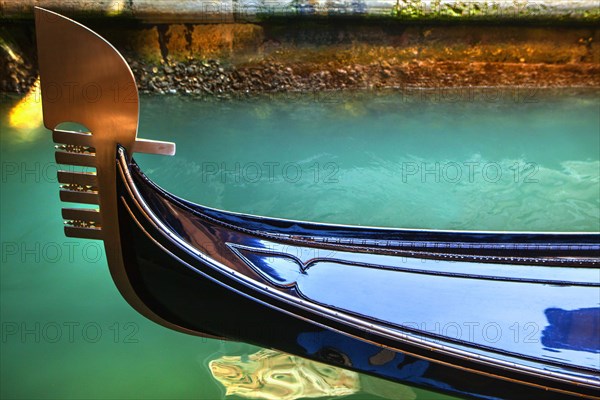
column 394, row 160
column 500, row 160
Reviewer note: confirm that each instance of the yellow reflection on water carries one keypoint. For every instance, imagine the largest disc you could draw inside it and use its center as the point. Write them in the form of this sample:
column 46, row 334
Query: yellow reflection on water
column 11, row 54
column 115, row 8
column 26, row 115
column 353, row 109
column 272, row 375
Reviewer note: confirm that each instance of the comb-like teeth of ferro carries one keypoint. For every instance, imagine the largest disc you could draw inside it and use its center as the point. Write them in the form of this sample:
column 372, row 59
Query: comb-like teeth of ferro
column 82, row 223
column 76, row 187
column 79, row 178
column 78, row 159
column 87, row 216
column 72, row 138
column 75, row 148
column 79, row 194
column 72, row 148
column 82, row 232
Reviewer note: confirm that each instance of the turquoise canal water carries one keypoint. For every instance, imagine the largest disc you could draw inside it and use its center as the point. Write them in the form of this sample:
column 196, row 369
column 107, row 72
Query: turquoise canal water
column 497, row 160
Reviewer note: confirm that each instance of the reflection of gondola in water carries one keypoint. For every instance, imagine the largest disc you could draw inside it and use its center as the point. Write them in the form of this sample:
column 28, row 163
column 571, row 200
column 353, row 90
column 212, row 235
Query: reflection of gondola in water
column 361, row 298
column 272, row 375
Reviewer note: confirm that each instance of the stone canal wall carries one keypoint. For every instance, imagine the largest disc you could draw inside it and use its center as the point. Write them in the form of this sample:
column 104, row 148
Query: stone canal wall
column 206, row 48
column 204, row 11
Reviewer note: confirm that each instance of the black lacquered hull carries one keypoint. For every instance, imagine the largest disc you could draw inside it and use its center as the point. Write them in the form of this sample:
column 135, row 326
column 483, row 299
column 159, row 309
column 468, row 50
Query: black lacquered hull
column 191, row 288
column 475, row 314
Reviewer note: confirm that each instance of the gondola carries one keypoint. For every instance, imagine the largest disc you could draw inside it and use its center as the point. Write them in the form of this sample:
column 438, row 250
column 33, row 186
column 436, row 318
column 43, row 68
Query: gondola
column 490, row 315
